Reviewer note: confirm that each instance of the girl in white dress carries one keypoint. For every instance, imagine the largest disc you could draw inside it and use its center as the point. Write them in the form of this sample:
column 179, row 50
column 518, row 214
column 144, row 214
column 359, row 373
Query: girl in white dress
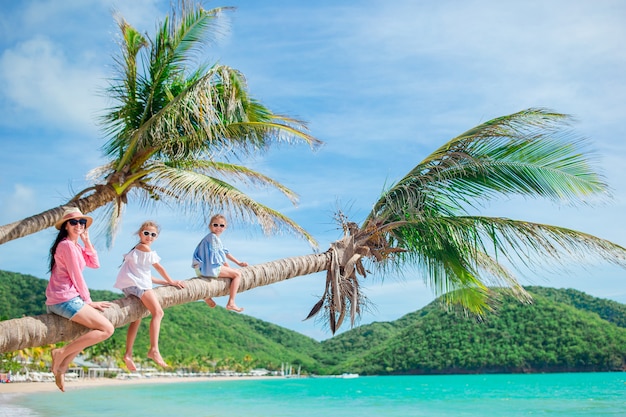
column 135, row 279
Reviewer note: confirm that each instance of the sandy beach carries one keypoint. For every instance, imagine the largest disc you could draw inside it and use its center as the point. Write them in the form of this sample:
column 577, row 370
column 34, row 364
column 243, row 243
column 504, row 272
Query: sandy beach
column 34, row 387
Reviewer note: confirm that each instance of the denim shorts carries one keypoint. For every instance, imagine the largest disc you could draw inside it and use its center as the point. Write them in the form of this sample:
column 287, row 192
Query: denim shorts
column 136, row 291
column 67, row 309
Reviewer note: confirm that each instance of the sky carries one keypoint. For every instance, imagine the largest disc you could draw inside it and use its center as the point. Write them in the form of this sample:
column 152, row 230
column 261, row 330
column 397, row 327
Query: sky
column 381, row 83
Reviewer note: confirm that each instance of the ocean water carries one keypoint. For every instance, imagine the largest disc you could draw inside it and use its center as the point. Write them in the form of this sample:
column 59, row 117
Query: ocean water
column 575, row 394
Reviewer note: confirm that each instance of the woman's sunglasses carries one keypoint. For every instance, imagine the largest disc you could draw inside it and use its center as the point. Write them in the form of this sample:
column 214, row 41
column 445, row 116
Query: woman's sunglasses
column 218, row 225
column 74, row 222
column 146, row 233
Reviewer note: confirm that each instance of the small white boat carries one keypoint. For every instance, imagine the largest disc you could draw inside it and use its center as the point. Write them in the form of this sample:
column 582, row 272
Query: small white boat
column 348, row 376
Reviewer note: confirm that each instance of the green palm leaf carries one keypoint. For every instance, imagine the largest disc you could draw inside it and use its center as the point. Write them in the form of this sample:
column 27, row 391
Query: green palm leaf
column 172, row 117
column 198, row 192
column 527, row 153
column 423, row 221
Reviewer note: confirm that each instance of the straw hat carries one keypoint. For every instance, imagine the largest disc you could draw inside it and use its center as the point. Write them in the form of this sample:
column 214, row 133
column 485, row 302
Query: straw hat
column 72, row 213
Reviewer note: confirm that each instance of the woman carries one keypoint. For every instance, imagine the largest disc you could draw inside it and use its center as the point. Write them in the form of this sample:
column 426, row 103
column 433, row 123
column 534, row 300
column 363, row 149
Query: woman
column 67, row 294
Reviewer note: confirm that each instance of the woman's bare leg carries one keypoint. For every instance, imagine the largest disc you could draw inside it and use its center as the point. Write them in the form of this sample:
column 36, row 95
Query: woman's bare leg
column 102, row 329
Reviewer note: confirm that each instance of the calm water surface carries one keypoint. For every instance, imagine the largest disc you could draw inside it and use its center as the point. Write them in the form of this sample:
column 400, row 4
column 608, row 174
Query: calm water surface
column 588, row 394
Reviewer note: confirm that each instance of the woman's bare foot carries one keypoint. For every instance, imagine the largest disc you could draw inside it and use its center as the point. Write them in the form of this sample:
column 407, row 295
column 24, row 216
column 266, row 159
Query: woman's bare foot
column 156, row 356
column 128, row 360
column 233, row 307
column 59, row 379
column 55, row 361
column 210, row 302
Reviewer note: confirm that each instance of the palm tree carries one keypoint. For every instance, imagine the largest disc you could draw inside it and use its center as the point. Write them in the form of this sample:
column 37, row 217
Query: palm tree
column 169, row 125
column 421, row 222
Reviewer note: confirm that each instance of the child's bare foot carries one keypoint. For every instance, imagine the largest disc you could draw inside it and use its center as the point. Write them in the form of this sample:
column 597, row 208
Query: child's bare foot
column 210, row 302
column 233, row 307
column 156, row 356
column 128, row 360
column 59, row 379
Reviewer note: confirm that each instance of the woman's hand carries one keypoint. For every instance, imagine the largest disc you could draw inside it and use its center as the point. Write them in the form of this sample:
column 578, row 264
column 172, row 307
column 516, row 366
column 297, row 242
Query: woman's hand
column 85, row 238
column 100, row 305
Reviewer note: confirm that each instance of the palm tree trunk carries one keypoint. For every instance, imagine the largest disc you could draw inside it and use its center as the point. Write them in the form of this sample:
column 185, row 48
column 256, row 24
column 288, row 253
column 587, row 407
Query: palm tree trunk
column 33, row 224
column 17, row 334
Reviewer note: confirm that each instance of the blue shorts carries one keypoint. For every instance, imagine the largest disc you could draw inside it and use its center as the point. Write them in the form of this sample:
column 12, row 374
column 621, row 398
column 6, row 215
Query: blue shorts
column 136, row 291
column 67, row 309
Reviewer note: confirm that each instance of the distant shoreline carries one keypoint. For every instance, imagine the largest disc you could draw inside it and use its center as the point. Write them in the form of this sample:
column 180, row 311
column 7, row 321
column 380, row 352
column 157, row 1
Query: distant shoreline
column 35, row 387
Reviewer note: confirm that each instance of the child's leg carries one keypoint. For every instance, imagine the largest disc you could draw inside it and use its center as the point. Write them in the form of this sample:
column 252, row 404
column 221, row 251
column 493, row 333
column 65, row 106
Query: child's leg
column 130, row 341
column 150, row 300
column 209, row 301
column 235, row 276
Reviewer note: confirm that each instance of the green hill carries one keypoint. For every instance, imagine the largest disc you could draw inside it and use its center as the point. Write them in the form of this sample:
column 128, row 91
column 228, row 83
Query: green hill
column 545, row 336
column 192, row 335
column 562, row 330
column 21, row 295
column 608, row 310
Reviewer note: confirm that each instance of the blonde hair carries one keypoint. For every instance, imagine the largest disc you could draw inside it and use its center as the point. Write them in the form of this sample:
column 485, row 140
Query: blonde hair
column 149, row 223
column 217, row 216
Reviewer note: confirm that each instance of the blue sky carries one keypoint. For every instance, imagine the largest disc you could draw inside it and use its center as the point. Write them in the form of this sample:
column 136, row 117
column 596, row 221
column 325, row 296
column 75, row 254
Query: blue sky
column 382, row 83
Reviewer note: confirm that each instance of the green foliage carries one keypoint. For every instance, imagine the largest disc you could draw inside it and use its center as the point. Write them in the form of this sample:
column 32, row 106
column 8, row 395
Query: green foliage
column 21, row 295
column 195, row 331
column 562, row 330
column 172, row 115
column 426, row 220
column 545, row 336
column 608, row 310
column 192, row 335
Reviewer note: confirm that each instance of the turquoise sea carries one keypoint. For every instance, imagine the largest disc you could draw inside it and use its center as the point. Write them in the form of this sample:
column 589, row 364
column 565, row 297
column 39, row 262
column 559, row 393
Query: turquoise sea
column 575, row 394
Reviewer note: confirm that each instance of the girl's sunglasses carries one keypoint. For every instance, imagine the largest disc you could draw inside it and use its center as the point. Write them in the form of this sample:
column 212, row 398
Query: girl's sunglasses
column 146, row 233
column 218, row 225
column 74, row 222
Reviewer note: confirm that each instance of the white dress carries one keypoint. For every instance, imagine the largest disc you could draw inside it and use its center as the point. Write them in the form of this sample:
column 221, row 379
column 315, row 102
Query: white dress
column 136, row 270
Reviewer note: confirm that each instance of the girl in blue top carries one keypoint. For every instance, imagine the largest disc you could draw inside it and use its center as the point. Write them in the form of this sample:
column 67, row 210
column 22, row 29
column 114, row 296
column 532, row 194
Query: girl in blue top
column 210, row 260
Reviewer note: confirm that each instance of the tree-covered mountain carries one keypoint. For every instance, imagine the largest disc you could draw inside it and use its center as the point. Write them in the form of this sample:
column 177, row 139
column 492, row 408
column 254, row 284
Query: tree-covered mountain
column 549, row 335
column 562, row 330
column 608, row 310
column 192, row 335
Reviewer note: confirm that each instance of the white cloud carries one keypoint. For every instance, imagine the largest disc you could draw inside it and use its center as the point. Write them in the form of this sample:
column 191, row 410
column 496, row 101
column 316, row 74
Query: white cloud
column 382, row 83
column 23, row 200
column 37, row 76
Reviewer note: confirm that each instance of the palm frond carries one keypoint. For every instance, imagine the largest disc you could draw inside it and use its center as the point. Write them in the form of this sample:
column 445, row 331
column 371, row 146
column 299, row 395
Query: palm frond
column 189, row 32
column 209, row 116
column 119, row 121
column 529, row 153
column 111, row 214
column 471, row 252
column 204, row 195
column 238, row 172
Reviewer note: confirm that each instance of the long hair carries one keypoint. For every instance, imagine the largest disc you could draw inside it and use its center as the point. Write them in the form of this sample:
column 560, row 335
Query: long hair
column 60, row 236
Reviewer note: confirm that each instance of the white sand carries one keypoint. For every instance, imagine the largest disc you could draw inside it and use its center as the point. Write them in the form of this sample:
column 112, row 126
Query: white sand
column 33, row 387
